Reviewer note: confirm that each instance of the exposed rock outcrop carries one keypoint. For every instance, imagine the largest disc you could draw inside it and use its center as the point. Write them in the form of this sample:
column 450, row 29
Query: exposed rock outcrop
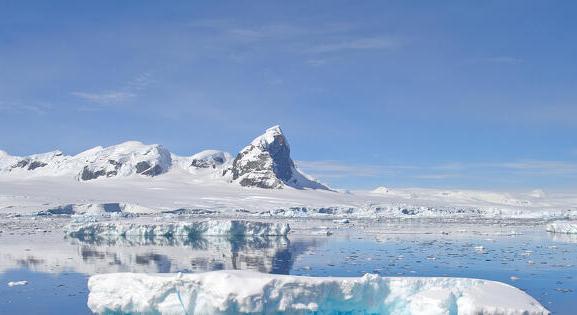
column 266, row 163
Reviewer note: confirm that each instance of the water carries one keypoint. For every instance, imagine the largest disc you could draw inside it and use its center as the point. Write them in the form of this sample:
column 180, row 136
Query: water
column 525, row 256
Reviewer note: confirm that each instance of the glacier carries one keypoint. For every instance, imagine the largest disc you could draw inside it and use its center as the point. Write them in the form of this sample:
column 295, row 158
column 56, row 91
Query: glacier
column 247, row 292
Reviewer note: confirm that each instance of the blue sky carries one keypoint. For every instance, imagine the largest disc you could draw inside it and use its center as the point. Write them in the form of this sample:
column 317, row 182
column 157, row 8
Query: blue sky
column 471, row 94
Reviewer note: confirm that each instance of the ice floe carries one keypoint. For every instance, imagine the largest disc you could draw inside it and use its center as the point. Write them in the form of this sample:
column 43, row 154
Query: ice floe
column 234, row 292
column 565, row 227
column 17, row 283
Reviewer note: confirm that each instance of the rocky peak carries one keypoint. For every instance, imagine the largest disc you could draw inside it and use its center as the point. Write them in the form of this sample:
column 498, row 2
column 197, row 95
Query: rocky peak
column 266, row 163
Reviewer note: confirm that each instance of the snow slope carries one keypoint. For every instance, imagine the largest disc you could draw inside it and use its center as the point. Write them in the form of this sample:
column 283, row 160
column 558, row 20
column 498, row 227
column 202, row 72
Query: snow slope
column 177, row 192
column 234, row 292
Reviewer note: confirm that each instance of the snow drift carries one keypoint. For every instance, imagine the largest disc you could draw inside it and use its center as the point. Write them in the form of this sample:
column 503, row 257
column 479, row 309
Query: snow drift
column 245, row 292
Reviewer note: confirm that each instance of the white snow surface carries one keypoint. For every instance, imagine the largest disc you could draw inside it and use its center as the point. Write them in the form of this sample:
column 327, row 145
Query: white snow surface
column 178, row 190
column 246, row 292
column 232, row 228
column 564, row 227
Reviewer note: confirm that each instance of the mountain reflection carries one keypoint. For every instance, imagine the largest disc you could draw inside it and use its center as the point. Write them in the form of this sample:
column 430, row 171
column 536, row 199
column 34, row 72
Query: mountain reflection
column 155, row 255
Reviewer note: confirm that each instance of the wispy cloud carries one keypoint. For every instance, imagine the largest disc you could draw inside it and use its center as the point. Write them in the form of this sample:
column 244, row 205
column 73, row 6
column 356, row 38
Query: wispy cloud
column 296, row 38
column 543, row 167
column 440, row 172
column 129, row 91
column 498, row 60
column 370, row 43
column 435, row 176
column 38, row 108
column 504, row 60
column 105, row 98
column 328, row 169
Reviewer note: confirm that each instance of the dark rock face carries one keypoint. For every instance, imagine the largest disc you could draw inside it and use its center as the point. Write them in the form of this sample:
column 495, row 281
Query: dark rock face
column 29, row 164
column 153, row 171
column 141, row 167
column 88, row 174
column 199, row 163
column 22, row 163
column 35, row 165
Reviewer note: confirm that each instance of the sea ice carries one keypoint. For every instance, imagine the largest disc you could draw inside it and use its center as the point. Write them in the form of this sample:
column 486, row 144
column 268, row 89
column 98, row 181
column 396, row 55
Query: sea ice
column 566, row 227
column 234, row 292
column 17, row 283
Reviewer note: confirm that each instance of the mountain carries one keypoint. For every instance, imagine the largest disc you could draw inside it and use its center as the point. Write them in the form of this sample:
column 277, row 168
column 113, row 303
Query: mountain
column 265, row 163
column 125, row 159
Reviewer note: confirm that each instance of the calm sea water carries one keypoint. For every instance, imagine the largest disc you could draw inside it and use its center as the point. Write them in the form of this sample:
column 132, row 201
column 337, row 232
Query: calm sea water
column 57, row 268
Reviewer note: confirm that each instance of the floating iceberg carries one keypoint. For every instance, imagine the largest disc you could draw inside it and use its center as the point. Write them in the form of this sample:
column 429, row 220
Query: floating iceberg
column 565, row 227
column 197, row 229
column 246, row 292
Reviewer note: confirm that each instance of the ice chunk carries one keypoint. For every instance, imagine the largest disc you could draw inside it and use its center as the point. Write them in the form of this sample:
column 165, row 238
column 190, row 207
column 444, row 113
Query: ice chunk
column 566, row 227
column 234, row 292
column 233, row 228
column 17, row 283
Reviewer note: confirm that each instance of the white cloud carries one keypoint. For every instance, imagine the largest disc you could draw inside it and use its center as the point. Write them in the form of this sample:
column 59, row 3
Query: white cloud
column 39, row 108
column 370, row 43
column 105, row 98
column 332, row 169
column 435, row 176
column 515, row 170
column 126, row 93
column 504, row 60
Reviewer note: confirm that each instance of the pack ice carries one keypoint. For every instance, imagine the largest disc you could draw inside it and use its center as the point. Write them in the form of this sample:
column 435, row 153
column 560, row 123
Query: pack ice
column 565, row 227
column 232, row 228
column 247, row 292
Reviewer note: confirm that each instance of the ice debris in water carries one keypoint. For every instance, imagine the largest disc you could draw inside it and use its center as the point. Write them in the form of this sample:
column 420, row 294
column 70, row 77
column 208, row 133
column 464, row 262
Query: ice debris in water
column 17, row 283
column 246, row 292
column 233, row 228
column 566, row 227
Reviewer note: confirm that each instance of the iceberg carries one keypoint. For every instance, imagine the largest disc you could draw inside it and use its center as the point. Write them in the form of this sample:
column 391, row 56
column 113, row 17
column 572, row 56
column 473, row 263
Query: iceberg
column 232, row 228
column 247, row 292
column 565, row 227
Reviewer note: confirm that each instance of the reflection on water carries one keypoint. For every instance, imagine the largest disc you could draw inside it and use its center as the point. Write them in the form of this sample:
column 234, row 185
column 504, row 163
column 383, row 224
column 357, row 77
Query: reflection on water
column 563, row 237
column 264, row 254
column 57, row 267
column 53, row 253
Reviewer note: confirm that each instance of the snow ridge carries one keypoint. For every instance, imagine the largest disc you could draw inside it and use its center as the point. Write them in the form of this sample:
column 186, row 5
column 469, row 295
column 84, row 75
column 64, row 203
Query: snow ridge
column 265, row 163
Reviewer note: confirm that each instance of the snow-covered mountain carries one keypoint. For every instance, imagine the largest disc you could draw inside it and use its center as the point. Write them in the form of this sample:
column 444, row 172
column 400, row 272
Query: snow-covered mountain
column 265, row 163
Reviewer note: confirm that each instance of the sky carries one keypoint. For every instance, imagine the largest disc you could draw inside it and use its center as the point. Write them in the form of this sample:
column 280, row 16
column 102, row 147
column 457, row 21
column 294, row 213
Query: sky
column 451, row 94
